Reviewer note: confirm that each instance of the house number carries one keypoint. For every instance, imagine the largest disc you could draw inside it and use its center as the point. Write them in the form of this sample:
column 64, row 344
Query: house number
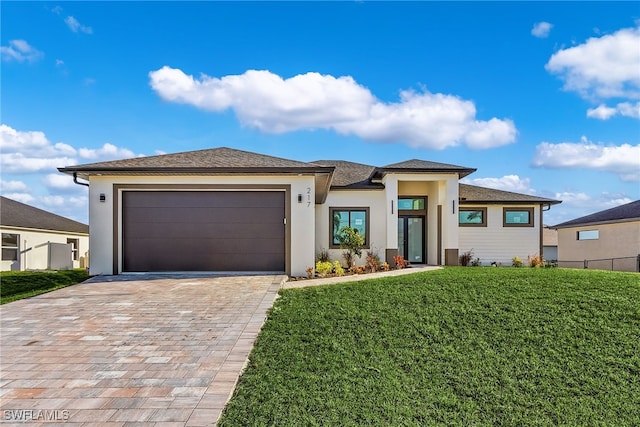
column 308, row 196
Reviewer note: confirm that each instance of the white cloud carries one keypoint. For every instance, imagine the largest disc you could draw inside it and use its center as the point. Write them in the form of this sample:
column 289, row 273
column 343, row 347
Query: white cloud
column 541, row 29
column 31, row 152
column 6, row 186
column 603, row 112
column 21, row 197
column 507, row 183
column 20, row 51
column 59, row 182
column 576, row 204
column 267, row 102
column 623, row 160
column 602, row 67
column 75, row 26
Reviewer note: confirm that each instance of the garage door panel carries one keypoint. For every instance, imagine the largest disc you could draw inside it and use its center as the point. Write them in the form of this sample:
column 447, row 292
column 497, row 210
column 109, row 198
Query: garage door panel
column 203, row 231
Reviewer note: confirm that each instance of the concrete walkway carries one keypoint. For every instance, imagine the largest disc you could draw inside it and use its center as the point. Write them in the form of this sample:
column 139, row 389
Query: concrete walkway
column 130, row 350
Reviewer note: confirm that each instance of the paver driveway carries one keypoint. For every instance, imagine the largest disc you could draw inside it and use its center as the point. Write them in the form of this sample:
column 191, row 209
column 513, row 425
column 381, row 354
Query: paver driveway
column 122, row 350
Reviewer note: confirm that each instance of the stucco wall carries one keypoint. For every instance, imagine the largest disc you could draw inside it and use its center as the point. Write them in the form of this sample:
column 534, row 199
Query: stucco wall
column 615, row 240
column 101, row 214
column 372, row 199
column 496, row 243
column 34, row 254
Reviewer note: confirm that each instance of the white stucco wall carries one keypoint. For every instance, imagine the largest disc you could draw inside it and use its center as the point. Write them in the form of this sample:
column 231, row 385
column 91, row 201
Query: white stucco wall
column 372, row 199
column 498, row 243
column 34, row 249
column 301, row 221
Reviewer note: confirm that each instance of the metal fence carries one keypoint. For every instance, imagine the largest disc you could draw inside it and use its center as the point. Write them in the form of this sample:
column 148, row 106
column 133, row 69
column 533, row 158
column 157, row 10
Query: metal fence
column 631, row 263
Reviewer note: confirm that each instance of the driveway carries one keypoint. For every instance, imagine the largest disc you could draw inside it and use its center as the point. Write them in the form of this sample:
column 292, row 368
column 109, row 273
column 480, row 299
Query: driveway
column 117, row 350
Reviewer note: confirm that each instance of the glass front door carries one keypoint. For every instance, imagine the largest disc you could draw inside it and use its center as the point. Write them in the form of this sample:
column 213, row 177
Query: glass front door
column 411, row 238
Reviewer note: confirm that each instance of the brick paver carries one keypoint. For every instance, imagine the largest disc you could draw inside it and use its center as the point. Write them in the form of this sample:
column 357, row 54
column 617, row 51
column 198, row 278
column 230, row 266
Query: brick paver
column 130, row 350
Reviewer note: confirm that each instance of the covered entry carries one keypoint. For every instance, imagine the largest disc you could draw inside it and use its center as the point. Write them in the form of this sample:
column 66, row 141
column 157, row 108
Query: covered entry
column 203, row 231
column 412, row 215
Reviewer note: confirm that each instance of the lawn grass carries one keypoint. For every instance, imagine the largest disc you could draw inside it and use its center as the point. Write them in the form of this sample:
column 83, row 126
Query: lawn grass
column 458, row 346
column 15, row 285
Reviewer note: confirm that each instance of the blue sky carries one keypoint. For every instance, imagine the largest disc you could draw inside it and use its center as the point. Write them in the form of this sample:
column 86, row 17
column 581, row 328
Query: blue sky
column 540, row 97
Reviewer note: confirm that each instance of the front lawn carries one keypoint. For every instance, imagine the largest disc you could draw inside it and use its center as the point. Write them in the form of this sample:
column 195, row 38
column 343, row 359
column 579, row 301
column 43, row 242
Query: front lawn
column 458, row 346
column 15, row 285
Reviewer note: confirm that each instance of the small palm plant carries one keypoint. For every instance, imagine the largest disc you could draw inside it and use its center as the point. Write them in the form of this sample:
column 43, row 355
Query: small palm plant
column 352, row 242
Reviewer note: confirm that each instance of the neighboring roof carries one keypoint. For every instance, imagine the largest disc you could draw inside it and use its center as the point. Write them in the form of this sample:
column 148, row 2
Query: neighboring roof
column 549, row 236
column 16, row 214
column 416, row 165
column 623, row 213
column 350, row 174
column 474, row 194
column 214, row 160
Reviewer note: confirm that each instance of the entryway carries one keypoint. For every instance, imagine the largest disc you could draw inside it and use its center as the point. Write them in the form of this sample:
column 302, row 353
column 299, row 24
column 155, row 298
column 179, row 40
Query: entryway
column 412, row 214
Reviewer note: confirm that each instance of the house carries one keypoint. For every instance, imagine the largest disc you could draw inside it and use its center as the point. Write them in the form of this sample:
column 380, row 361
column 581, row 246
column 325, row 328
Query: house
column 608, row 239
column 224, row 209
column 550, row 244
column 34, row 239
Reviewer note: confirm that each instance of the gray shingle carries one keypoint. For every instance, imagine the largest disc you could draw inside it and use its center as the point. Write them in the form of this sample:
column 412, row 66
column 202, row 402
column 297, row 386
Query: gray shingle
column 626, row 212
column 350, row 174
column 474, row 194
column 18, row 214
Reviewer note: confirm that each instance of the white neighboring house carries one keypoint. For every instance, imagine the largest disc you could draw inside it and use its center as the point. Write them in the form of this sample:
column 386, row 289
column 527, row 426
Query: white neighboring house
column 224, row 209
column 34, row 239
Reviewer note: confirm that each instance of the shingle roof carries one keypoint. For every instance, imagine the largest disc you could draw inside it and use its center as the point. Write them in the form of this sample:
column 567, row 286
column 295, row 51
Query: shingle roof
column 474, row 194
column 350, row 174
column 623, row 213
column 18, row 214
column 418, row 165
column 212, row 160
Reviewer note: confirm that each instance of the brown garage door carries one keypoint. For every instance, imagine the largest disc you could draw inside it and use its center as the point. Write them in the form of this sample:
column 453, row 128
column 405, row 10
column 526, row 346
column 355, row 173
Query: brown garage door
column 203, row 230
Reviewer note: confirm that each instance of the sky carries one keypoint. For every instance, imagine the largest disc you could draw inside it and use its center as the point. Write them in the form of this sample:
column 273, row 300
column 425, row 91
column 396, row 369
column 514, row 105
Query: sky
column 542, row 98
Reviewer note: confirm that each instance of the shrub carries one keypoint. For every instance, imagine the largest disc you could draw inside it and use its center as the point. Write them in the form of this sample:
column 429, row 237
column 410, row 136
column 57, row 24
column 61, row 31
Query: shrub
column 323, row 268
column 309, row 273
column 400, row 262
column 465, row 258
column 476, row 262
column 373, row 260
column 323, row 256
column 516, row 261
column 337, row 268
column 384, row 266
column 352, row 242
column 536, row 261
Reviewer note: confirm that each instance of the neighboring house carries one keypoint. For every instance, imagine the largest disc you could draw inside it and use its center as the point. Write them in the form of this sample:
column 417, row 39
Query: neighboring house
column 229, row 210
column 34, row 239
column 609, row 239
column 550, row 244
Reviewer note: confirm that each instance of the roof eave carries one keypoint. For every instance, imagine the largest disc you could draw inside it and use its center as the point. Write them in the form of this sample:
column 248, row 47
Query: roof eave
column 380, row 172
column 593, row 223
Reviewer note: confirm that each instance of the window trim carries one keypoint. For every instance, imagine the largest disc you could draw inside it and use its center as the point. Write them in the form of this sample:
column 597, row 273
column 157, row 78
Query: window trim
column 16, row 247
column 597, row 231
column 479, row 224
column 350, row 208
column 517, row 209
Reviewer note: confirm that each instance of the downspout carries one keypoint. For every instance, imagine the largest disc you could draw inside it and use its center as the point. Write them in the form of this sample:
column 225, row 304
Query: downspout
column 75, row 179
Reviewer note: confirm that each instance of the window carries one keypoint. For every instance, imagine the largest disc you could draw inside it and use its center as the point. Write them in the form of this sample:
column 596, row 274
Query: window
column 413, row 204
column 74, row 248
column 588, row 235
column 517, row 217
column 476, row 217
column 10, row 246
column 357, row 218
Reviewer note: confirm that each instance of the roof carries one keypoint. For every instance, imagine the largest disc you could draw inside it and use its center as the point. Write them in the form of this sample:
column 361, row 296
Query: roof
column 623, row 213
column 417, row 165
column 473, row 194
column 213, row 160
column 350, row 174
column 16, row 214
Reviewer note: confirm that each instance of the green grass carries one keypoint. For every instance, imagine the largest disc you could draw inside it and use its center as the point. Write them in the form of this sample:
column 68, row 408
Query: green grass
column 15, row 285
column 458, row 346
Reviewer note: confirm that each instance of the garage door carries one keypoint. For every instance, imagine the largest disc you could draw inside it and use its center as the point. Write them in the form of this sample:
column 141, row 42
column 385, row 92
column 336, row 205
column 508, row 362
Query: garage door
column 203, row 230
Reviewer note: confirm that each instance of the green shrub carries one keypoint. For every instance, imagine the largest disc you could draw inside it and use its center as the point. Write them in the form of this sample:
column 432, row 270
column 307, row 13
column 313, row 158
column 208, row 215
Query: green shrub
column 323, row 268
column 352, row 242
column 337, row 268
column 516, row 262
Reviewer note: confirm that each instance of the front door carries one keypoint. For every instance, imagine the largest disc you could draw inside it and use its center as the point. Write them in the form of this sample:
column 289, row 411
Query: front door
column 411, row 238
